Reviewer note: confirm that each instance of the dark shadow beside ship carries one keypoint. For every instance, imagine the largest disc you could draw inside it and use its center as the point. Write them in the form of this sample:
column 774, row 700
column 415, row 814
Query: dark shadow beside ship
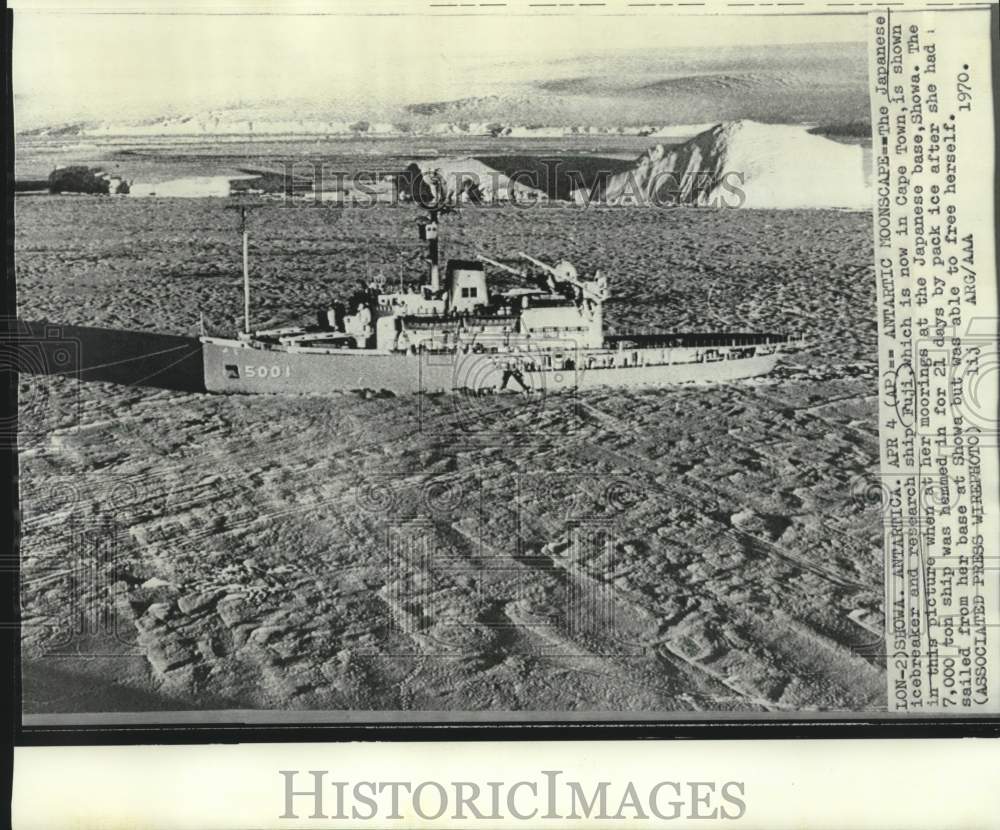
column 129, row 358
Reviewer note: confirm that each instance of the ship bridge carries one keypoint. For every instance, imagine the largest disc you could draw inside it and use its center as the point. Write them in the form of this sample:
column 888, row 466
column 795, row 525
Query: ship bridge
column 465, row 280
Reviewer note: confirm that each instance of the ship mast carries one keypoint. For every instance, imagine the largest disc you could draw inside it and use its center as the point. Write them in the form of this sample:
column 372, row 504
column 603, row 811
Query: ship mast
column 428, row 228
column 431, row 230
column 246, row 264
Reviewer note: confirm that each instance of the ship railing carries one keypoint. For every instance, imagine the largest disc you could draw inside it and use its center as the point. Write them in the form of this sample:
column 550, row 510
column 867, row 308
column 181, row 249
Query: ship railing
column 305, row 337
column 281, row 332
column 696, row 340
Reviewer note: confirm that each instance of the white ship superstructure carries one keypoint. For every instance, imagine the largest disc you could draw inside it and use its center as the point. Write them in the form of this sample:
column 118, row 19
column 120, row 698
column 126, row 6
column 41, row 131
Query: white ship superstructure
column 455, row 332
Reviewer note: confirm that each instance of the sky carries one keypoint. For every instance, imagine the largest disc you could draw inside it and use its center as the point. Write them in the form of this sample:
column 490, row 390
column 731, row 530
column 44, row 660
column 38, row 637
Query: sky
column 96, row 65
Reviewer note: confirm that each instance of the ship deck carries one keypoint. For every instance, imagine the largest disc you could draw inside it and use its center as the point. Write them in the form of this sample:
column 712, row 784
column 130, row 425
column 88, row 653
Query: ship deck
column 298, row 339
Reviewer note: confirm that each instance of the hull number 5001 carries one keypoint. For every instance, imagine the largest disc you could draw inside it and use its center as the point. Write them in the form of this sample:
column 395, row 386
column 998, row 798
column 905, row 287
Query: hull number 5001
column 267, row 371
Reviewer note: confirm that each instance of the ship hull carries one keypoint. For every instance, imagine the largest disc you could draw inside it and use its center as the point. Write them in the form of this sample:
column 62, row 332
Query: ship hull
column 233, row 366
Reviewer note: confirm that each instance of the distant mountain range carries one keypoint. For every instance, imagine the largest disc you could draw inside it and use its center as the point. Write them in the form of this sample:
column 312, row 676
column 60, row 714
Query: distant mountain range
column 639, row 93
column 191, row 126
